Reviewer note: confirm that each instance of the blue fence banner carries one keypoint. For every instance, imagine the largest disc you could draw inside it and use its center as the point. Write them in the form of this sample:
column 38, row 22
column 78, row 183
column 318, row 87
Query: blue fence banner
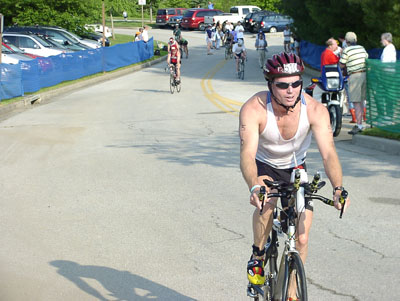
column 31, row 76
column 311, row 53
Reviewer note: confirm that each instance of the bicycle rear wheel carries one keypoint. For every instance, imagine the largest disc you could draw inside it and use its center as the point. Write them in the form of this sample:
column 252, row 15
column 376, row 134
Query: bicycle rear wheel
column 226, row 52
column 295, row 278
column 178, row 86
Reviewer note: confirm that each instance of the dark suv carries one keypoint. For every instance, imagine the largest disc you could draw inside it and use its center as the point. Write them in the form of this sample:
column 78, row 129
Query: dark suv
column 252, row 20
column 275, row 23
column 164, row 14
column 194, row 18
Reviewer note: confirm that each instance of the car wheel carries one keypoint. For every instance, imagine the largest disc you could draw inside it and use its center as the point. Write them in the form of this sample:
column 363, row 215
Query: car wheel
column 202, row 27
column 272, row 29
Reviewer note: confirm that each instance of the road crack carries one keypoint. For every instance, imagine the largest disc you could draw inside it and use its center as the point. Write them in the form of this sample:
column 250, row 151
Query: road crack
column 321, row 287
column 383, row 256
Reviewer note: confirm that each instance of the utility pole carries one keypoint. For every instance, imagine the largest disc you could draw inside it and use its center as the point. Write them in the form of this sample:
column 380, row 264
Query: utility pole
column 1, row 34
column 142, row 3
column 104, row 24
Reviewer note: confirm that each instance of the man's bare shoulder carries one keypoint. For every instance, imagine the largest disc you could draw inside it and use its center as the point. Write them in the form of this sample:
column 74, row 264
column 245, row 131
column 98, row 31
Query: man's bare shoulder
column 315, row 109
column 254, row 104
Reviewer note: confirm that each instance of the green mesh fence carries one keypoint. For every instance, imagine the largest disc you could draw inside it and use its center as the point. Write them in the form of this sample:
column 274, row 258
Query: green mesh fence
column 383, row 95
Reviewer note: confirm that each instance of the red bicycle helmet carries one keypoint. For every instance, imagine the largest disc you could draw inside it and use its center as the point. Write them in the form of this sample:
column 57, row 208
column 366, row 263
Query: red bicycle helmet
column 284, row 64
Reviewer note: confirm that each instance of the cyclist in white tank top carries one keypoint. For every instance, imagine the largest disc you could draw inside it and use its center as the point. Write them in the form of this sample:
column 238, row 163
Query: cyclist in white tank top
column 277, row 151
column 273, row 126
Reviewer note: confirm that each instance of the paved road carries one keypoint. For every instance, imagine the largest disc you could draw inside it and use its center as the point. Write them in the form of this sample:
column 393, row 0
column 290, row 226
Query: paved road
column 122, row 191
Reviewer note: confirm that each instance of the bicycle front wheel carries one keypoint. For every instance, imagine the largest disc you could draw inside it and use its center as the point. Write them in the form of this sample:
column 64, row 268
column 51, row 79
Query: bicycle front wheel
column 171, row 83
column 226, row 52
column 242, row 70
column 294, row 284
column 178, row 86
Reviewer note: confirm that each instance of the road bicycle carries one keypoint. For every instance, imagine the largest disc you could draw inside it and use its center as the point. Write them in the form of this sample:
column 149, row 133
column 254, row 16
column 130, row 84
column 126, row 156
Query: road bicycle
column 174, row 84
column 291, row 272
column 228, row 51
column 241, row 68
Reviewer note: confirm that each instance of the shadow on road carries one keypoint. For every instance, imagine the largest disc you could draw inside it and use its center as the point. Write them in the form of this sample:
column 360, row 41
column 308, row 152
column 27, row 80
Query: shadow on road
column 121, row 285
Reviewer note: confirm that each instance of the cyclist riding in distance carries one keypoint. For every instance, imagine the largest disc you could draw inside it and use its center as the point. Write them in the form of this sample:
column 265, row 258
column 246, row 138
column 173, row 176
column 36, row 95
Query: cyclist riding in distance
column 181, row 41
column 275, row 126
column 174, row 57
column 239, row 51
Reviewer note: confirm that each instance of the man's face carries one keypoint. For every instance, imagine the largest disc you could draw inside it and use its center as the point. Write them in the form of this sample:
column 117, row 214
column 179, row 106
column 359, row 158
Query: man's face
column 287, row 95
column 334, row 45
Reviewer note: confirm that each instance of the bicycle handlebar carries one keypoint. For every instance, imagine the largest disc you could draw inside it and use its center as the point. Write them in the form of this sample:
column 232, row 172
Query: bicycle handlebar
column 287, row 190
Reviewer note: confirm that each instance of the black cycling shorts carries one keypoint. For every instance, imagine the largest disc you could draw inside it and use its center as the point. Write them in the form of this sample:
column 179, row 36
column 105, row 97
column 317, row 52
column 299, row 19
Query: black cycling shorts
column 264, row 169
column 184, row 43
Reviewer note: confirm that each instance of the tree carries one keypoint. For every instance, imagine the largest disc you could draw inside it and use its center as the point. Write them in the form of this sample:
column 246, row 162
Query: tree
column 367, row 18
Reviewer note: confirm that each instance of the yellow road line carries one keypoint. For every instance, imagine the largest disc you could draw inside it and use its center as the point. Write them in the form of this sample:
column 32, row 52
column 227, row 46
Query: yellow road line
column 226, row 105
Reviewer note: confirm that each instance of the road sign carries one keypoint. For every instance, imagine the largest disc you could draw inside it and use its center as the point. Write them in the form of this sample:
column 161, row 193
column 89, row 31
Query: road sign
column 142, row 2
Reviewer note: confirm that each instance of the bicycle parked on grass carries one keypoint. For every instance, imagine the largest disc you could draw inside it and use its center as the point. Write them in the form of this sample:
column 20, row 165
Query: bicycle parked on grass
column 173, row 82
column 291, row 274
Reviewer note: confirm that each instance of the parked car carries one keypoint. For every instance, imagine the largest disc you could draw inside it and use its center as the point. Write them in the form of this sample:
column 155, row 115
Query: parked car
column 15, row 49
column 32, row 44
column 95, row 36
column 236, row 14
column 253, row 19
column 10, row 57
column 59, row 34
column 99, row 28
column 275, row 23
column 194, row 18
column 175, row 20
column 164, row 14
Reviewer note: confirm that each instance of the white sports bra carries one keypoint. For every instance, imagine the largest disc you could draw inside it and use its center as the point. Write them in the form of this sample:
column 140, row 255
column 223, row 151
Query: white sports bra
column 278, row 152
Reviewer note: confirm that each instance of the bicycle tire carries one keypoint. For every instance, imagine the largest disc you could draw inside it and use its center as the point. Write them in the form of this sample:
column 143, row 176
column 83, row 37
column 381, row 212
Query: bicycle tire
column 226, row 53
column 294, row 271
column 242, row 70
column 335, row 115
column 171, row 83
column 178, row 86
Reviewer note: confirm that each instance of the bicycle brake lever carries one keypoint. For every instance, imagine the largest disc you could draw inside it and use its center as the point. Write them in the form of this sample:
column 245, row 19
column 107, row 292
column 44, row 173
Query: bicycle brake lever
column 342, row 200
column 261, row 196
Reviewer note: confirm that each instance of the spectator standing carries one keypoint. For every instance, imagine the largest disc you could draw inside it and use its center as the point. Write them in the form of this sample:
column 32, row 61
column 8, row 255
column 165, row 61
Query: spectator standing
column 208, row 39
column 145, row 34
column 261, row 46
column 386, row 105
column 239, row 31
column 287, row 35
column 329, row 57
column 210, row 5
column 354, row 59
column 138, row 34
column 389, row 52
column 125, row 15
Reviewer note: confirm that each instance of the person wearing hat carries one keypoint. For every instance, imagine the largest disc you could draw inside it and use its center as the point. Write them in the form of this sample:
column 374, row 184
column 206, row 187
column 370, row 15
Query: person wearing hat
column 354, row 59
column 239, row 30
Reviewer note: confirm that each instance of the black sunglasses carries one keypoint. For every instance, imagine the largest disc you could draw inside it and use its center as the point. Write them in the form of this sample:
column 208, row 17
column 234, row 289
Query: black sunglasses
column 282, row 85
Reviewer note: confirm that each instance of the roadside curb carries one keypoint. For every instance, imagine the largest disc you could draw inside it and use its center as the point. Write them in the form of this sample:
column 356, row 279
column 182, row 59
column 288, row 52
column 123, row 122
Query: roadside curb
column 29, row 101
column 388, row 146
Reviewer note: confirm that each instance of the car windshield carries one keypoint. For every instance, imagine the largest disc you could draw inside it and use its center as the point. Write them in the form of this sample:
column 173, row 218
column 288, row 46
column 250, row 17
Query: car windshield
column 234, row 10
column 161, row 12
column 43, row 42
column 188, row 14
column 4, row 49
column 14, row 48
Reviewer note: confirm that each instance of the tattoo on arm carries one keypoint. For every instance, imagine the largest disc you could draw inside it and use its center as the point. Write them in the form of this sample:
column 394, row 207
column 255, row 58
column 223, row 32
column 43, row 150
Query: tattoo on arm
column 243, row 127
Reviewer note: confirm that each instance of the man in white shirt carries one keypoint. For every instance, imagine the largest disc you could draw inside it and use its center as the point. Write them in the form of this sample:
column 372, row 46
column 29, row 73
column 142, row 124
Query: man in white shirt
column 389, row 52
column 239, row 51
column 240, row 30
column 287, row 35
column 145, row 34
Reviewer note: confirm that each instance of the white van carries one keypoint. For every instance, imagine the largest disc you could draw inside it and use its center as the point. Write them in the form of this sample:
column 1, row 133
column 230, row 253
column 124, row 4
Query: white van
column 236, row 14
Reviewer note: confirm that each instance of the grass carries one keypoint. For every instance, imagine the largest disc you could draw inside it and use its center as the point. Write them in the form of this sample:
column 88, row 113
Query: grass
column 121, row 39
column 376, row 132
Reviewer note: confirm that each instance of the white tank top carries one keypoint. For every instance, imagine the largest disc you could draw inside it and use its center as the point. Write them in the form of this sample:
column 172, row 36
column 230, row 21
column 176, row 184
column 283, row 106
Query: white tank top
column 278, row 152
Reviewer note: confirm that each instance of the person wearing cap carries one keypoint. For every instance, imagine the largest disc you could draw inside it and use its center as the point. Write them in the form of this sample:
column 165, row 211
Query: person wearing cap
column 354, row 59
column 239, row 51
column 239, row 31
column 275, row 129
column 261, row 46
